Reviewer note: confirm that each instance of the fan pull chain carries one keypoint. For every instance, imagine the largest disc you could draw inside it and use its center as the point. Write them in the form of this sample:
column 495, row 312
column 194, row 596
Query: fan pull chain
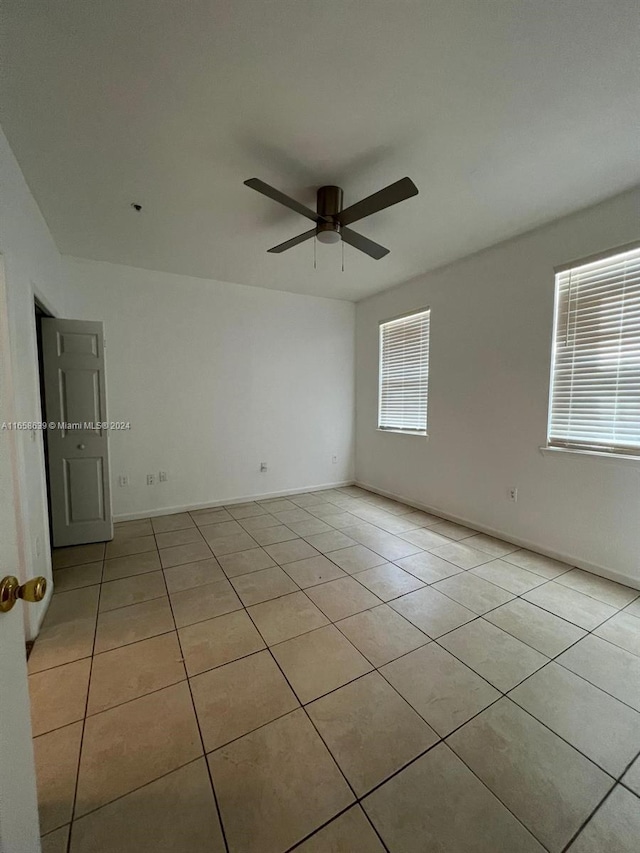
column 315, row 254
column 342, row 242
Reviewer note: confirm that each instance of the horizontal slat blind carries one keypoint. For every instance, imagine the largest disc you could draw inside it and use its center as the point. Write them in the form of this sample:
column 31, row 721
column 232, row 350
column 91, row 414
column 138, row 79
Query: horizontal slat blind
column 404, row 373
column 595, row 390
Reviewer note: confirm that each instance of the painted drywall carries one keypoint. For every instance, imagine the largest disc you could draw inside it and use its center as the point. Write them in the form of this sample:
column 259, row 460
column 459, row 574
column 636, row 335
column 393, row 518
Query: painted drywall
column 214, row 379
column 491, row 331
column 32, row 266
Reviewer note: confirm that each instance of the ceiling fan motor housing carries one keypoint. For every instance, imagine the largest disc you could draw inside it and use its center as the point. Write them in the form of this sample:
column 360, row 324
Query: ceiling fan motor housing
column 329, row 204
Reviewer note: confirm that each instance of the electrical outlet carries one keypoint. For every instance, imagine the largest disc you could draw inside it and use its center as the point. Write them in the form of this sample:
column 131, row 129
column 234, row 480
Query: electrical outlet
column 151, row 479
column 334, row 459
column 263, row 467
column 123, row 480
column 162, row 477
column 513, row 494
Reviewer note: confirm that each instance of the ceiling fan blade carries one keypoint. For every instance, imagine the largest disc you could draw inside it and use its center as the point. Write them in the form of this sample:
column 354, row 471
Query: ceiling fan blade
column 394, row 193
column 276, row 195
column 282, row 247
column 374, row 250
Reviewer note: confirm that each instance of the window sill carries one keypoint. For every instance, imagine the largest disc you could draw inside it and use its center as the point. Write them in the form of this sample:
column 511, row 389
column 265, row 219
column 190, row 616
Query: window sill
column 613, row 458
column 404, row 432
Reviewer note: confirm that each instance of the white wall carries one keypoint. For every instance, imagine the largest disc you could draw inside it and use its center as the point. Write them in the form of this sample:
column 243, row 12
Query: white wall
column 32, row 266
column 491, row 330
column 216, row 378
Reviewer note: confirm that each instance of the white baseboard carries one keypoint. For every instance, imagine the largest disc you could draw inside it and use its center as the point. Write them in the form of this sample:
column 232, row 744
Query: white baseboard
column 564, row 557
column 170, row 510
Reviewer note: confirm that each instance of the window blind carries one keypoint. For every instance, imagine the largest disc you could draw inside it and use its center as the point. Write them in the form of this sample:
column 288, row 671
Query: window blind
column 404, row 373
column 595, row 387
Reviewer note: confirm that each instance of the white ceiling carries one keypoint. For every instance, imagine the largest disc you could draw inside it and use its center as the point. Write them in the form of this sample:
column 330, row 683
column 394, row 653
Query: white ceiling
column 505, row 113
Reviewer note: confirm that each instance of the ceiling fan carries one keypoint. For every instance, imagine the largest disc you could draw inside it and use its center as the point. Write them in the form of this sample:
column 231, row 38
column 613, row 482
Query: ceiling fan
column 332, row 221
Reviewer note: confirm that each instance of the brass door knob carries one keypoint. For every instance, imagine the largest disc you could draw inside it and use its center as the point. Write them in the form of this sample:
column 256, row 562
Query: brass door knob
column 11, row 590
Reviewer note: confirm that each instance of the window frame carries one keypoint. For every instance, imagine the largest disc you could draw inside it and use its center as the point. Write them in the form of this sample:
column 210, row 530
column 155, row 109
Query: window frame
column 580, row 448
column 398, row 430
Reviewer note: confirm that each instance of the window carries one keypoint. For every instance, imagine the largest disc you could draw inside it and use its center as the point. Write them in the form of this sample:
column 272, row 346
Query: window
column 404, row 374
column 595, row 381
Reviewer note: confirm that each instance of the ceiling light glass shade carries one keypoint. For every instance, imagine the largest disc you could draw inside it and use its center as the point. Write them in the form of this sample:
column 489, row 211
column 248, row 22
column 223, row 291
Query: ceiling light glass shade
column 328, row 237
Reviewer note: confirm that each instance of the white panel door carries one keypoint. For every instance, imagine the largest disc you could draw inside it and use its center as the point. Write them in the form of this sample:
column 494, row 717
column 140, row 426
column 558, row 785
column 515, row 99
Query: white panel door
column 19, row 830
column 77, row 447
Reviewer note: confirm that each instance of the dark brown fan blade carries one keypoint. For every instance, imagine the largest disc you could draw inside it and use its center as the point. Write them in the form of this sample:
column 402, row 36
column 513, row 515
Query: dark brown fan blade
column 374, row 250
column 394, row 193
column 276, row 195
column 282, row 247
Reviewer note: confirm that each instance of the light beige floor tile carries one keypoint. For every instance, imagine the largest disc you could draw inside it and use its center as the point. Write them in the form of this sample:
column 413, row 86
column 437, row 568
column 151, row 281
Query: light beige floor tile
column 76, row 577
column 274, row 505
column 249, row 510
column 389, row 581
column 168, row 523
column 318, row 662
column 202, row 517
column 473, row 592
column 509, row 577
column 601, row 727
column 131, row 590
column 130, row 624
column 286, row 617
column 632, row 777
column 289, row 515
column 493, row 546
column 442, row 689
column 237, row 698
column 438, row 804
column 263, row 585
column 136, row 564
column 180, row 554
column 276, row 785
column 622, row 630
column 537, row 563
column 68, row 629
column 191, row 575
column 395, row 523
column 56, row 841
column 206, row 645
column 537, row 628
column 328, row 542
column 204, row 602
column 338, row 520
column 357, row 558
column 178, row 537
column 432, row 612
column 308, row 499
column 132, row 529
column 174, row 813
column 273, row 535
column 546, row 783
column 453, row 531
column 633, row 609
column 221, row 530
column 425, row 538
column 341, row 598
column 259, row 522
column 495, row 655
column 582, row 610
column 58, row 696
column 76, row 555
column 605, row 590
column 422, row 519
column 232, row 544
column 244, row 562
column 428, row 567
column 310, row 527
column 131, row 671
column 615, row 827
column 56, row 756
column 120, row 746
column 386, row 544
column 349, row 832
column 291, row 552
column 381, row 634
column 370, row 730
column 462, row 555
column 609, row 667
column 130, row 545
column 313, row 571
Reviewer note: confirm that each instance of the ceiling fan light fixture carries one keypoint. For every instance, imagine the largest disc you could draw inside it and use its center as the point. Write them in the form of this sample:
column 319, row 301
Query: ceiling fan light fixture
column 328, row 236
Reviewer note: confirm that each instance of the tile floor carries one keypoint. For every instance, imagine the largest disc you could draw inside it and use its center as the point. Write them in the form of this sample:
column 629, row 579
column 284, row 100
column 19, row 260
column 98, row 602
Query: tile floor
column 333, row 672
